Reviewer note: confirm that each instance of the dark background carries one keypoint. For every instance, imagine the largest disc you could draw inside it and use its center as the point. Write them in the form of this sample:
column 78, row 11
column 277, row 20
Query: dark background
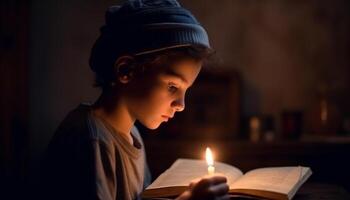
column 285, row 57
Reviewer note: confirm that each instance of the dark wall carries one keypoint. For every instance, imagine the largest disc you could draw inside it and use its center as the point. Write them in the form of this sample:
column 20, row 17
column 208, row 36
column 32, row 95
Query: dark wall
column 289, row 53
column 14, row 66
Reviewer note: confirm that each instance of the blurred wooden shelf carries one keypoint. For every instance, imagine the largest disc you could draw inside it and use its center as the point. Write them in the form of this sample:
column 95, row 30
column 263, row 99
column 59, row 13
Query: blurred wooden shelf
column 326, row 139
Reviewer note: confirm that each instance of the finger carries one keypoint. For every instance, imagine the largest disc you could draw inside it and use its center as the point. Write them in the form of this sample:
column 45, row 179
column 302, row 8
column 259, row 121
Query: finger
column 202, row 184
column 219, row 190
column 184, row 196
column 205, row 183
column 214, row 180
column 194, row 182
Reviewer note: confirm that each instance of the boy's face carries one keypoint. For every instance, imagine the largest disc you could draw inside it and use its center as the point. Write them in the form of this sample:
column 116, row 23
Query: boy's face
column 155, row 97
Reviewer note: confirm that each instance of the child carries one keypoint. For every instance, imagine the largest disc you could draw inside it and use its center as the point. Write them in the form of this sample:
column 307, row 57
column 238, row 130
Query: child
column 148, row 54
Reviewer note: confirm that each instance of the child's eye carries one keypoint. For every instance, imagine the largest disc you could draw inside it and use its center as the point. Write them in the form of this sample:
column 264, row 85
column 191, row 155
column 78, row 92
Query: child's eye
column 172, row 88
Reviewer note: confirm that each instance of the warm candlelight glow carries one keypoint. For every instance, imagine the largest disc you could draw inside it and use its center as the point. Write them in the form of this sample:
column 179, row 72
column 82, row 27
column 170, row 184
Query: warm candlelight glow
column 210, row 161
column 209, row 156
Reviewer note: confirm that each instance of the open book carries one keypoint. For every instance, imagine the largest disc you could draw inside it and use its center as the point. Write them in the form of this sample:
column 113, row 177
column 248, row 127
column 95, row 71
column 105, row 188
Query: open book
column 269, row 183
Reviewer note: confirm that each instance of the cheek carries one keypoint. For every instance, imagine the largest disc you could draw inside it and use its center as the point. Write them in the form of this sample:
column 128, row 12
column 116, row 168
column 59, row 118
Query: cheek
column 150, row 109
column 157, row 100
column 152, row 100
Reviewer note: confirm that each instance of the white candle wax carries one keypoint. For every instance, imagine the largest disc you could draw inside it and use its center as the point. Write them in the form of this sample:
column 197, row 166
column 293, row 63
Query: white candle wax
column 211, row 170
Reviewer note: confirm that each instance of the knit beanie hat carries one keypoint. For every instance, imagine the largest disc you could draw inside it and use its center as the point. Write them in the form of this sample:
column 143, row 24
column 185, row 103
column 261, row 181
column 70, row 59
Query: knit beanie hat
column 143, row 26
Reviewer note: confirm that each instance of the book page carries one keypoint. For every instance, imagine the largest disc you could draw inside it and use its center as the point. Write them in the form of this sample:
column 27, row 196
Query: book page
column 305, row 174
column 275, row 179
column 184, row 171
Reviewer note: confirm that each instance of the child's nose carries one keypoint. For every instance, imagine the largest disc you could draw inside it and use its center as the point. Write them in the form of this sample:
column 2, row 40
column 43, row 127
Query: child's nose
column 179, row 104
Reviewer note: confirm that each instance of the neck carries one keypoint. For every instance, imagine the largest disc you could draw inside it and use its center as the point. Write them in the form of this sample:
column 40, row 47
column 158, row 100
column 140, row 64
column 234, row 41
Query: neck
column 113, row 109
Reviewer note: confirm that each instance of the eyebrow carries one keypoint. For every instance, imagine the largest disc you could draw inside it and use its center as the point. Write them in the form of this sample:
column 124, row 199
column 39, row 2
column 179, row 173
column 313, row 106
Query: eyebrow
column 173, row 73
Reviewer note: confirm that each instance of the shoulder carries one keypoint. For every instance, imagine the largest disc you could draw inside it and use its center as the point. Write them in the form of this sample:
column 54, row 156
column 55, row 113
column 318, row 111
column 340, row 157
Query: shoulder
column 77, row 120
column 76, row 128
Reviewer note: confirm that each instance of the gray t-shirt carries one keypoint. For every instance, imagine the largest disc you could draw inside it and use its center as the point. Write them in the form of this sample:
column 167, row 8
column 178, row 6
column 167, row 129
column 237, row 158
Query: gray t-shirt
column 87, row 159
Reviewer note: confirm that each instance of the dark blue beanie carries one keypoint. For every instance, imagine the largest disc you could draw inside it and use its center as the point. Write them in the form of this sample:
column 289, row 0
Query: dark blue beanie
column 144, row 26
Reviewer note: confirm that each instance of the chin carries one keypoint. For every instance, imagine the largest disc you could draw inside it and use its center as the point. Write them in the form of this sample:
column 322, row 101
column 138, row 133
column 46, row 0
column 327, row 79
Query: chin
column 154, row 126
column 151, row 126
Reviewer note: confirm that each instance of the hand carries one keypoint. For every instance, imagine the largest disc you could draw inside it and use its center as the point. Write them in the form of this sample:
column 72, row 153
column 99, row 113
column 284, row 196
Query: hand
column 210, row 188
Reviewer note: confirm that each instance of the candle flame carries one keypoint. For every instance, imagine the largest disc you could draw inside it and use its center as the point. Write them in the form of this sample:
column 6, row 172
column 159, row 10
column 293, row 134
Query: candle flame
column 209, row 157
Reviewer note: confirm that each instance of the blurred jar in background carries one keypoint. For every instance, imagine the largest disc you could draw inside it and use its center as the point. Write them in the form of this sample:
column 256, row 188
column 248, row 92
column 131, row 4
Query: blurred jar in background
column 269, row 129
column 292, row 124
column 254, row 129
column 261, row 128
column 323, row 118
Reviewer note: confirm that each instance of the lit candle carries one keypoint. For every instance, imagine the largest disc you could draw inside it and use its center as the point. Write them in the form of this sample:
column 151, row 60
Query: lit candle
column 210, row 161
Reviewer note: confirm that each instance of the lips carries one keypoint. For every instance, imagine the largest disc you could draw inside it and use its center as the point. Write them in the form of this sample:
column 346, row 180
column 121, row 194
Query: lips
column 167, row 117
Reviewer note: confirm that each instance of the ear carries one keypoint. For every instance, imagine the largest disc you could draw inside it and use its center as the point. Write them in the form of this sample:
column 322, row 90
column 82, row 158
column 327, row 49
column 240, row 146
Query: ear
column 124, row 68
